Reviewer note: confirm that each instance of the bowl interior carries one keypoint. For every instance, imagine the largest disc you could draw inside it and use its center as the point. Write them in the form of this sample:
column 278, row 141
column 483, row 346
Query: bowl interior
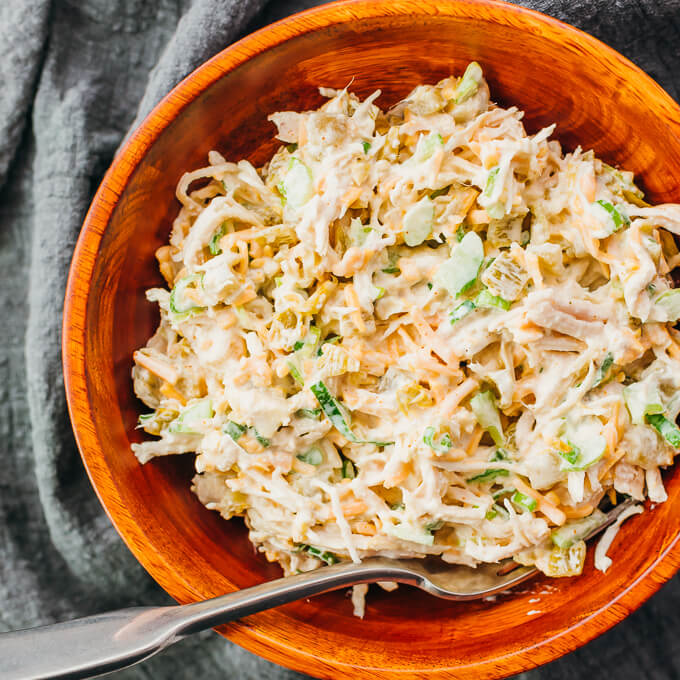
column 553, row 73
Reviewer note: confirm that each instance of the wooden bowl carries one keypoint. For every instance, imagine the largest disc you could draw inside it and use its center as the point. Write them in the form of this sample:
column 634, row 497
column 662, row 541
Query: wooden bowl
column 550, row 70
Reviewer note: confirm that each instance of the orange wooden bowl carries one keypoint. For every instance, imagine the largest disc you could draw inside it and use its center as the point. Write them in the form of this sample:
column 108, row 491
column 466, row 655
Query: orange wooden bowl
column 550, row 70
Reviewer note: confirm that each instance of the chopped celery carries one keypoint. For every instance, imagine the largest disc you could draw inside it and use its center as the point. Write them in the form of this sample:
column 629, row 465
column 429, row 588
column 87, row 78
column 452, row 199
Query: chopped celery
column 409, row 533
column 487, row 301
column 296, row 187
column 583, row 444
column 484, row 407
column 324, row 556
column 666, row 428
column 358, row 232
column 603, row 369
column 214, row 243
column 418, row 222
column 570, row 453
column 525, row 502
column 642, row 399
column 427, row 145
column 348, row 471
column 618, row 218
column 576, row 530
column 312, row 457
column 333, row 411
column 469, row 83
column 179, row 303
column 565, row 561
column 366, row 146
column 488, row 476
column 669, row 301
column 440, row 192
column 191, row 415
column 463, row 309
column 460, row 271
column 441, row 446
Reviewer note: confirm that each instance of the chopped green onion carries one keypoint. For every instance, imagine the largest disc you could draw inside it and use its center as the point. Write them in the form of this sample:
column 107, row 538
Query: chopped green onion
column 469, row 83
column 324, row 556
column 392, row 270
column 292, row 148
column 576, row 530
column 440, row 192
column 571, row 455
column 618, row 218
column 488, row 475
column 666, row 428
column 525, row 502
column 333, row 412
column 463, row 309
column 603, row 370
column 299, row 344
column 348, row 471
column 308, row 413
column 434, row 525
column 491, row 181
column 488, row 301
column 441, row 446
column 235, row 430
column 263, row 441
column 460, row 271
column 497, row 494
column 397, row 506
column 214, row 244
column 179, row 304
column 496, row 510
column 418, row 222
column 483, row 406
column 366, row 145
column 312, row 457
column 460, row 233
column 380, row 292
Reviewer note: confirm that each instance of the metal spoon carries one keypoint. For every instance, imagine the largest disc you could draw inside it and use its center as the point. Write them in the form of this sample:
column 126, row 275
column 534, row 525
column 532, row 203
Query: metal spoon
column 106, row 642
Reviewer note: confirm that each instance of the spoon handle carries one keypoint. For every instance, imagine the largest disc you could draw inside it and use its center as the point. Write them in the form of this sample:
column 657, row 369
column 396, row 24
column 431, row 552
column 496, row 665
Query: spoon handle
column 106, row 642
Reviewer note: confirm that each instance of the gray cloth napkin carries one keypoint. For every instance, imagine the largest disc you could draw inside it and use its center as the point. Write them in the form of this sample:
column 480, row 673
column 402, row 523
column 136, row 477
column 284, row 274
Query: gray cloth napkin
column 75, row 75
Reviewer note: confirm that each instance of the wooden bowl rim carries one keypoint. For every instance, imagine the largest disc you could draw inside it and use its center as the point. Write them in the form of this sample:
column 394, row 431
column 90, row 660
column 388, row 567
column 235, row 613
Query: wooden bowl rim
column 83, row 263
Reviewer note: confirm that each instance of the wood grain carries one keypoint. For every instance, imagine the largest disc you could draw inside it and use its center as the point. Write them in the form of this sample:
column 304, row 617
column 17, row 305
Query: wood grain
column 550, row 70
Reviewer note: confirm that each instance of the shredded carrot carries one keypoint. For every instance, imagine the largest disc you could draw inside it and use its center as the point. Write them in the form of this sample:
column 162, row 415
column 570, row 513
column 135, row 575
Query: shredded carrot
column 157, row 367
column 364, row 528
column 246, row 296
column 475, row 438
column 170, row 392
column 612, row 496
column 243, row 255
column 398, row 477
column 457, row 395
column 552, row 512
column 354, row 508
column 352, row 299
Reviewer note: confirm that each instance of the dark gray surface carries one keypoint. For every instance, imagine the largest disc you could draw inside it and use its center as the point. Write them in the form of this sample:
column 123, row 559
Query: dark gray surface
column 74, row 76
